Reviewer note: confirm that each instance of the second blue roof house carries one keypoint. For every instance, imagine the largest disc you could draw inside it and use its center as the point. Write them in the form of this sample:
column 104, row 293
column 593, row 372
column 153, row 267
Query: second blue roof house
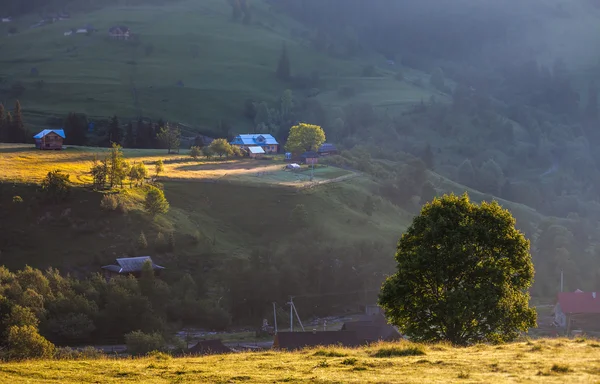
column 263, row 140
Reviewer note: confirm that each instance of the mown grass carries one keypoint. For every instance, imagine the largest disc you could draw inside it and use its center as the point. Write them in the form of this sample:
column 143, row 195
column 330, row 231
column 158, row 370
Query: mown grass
column 570, row 362
column 25, row 164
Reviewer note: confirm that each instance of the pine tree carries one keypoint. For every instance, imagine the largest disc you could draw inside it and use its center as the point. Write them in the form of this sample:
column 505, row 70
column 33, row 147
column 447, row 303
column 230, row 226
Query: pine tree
column 2, row 125
column 18, row 128
column 114, row 131
column 284, row 66
column 8, row 125
column 142, row 243
column 129, row 136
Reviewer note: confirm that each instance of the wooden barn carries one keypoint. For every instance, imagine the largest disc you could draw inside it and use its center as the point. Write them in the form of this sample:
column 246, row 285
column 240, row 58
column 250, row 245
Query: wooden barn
column 577, row 311
column 50, row 139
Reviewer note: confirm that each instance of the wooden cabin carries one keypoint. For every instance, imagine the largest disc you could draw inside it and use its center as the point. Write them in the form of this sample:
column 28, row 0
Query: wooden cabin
column 50, row 139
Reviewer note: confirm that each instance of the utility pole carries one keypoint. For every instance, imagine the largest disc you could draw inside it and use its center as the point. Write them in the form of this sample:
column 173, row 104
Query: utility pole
column 561, row 280
column 275, row 317
column 291, row 304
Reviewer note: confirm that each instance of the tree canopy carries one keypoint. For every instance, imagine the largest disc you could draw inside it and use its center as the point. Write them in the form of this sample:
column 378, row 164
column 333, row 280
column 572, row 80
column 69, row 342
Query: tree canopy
column 221, row 147
column 305, row 137
column 463, row 271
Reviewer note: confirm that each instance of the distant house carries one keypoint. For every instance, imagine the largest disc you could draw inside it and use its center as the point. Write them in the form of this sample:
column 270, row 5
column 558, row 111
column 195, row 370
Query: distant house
column 7, row 19
column 579, row 310
column 371, row 328
column 310, row 157
column 266, row 141
column 299, row 340
column 119, row 32
column 256, row 152
column 327, row 149
column 81, row 30
column 50, row 139
column 129, row 266
column 209, row 347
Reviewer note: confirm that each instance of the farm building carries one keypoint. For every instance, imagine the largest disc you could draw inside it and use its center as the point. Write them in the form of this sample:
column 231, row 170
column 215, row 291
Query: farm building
column 327, row 149
column 129, row 266
column 310, row 158
column 577, row 310
column 209, row 347
column 119, row 32
column 256, row 152
column 50, row 139
column 265, row 141
column 371, row 328
column 298, row 340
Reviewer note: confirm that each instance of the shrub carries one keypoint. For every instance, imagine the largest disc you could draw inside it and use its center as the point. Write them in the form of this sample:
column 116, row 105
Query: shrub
column 26, row 343
column 109, row 202
column 56, row 185
column 195, row 152
column 142, row 243
column 155, row 201
column 17, row 199
column 87, row 353
column 350, row 361
column 560, row 368
column 140, row 343
column 415, row 350
column 329, row 353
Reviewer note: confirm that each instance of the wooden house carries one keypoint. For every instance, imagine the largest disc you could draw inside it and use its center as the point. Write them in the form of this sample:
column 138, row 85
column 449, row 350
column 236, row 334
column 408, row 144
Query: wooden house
column 265, row 141
column 119, row 32
column 577, row 310
column 327, row 149
column 50, row 139
column 129, row 266
column 310, row 158
column 299, row 340
column 256, row 152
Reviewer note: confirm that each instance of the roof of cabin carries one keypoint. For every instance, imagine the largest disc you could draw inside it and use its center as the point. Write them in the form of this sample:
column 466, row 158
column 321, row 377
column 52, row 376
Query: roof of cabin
column 255, row 139
column 256, row 150
column 131, row 264
column 59, row 132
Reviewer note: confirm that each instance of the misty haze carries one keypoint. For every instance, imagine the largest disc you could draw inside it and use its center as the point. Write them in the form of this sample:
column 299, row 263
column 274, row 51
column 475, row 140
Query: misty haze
column 327, row 191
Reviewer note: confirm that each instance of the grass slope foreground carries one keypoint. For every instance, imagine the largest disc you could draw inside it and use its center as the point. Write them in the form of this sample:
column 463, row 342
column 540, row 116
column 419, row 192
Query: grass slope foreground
column 542, row 361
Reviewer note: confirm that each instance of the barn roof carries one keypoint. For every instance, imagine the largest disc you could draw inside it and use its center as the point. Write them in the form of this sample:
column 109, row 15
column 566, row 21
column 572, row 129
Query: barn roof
column 579, row 302
column 59, row 132
column 209, row 347
column 131, row 264
column 256, row 150
column 327, row 147
column 299, row 340
column 255, row 139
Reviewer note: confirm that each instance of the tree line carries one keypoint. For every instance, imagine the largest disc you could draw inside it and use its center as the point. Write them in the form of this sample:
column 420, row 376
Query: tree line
column 12, row 128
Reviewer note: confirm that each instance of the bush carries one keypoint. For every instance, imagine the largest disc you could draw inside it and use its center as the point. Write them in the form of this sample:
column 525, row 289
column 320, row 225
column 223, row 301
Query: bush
column 26, row 343
column 109, row 202
column 142, row 243
column 140, row 343
column 56, row 186
column 17, row 199
column 195, row 152
column 87, row 353
column 416, row 350
column 155, row 201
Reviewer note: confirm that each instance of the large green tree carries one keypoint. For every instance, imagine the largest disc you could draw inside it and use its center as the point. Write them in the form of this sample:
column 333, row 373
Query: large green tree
column 221, row 147
column 169, row 136
column 463, row 272
column 155, row 201
column 305, row 137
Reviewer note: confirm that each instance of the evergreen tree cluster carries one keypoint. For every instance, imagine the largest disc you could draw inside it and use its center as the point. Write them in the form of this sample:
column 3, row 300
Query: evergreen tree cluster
column 12, row 127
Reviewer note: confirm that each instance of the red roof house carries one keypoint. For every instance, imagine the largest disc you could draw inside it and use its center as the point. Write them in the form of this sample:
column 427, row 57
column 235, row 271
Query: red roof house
column 578, row 309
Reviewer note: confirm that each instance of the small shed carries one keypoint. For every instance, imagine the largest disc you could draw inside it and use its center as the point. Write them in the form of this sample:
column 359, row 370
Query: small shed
column 209, row 347
column 579, row 310
column 299, row 340
column 256, row 152
column 50, row 139
column 130, row 266
column 310, row 157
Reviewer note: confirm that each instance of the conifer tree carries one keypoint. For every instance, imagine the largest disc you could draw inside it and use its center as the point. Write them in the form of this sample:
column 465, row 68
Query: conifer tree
column 114, row 131
column 130, row 136
column 284, row 71
column 8, row 124
column 2, row 125
column 18, row 128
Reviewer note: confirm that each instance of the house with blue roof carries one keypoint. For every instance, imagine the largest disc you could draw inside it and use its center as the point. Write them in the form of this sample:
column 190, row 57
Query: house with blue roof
column 50, row 139
column 265, row 141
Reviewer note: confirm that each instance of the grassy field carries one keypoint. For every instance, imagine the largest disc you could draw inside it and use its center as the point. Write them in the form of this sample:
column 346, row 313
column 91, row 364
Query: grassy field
column 220, row 63
column 540, row 361
column 24, row 164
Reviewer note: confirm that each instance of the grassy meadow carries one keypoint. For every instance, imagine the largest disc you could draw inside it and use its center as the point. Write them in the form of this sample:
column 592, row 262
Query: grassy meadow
column 539, row 361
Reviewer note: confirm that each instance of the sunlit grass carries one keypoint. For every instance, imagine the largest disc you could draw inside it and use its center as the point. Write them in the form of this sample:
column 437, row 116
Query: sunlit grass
column 561, row 361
